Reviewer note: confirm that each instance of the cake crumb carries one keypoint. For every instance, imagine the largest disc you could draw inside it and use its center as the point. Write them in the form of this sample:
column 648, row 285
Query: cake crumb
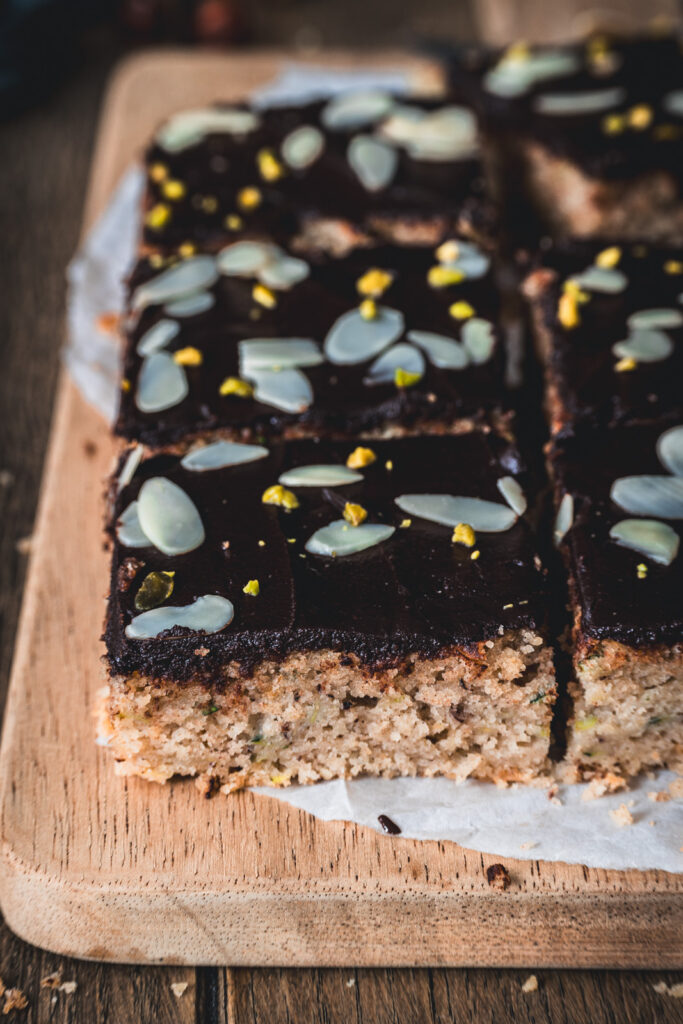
column 659, row 796
column 528, row 845
column 622, row 816
column 53, row 980
column 178, row 988
column 498, row 877
column 68, row 987
column 14, row 1000
column 553, row 797
column 608, row 783
column 351, row 982
column 662, row 989
column 531, row 984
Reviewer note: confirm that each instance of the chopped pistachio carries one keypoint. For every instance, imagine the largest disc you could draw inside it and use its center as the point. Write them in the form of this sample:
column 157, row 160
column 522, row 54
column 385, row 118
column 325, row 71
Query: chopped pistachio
column 280, row 496
column 291, row 540
column 442, row 277
column 405, row 523
column 405, row 379
column 641, row 570
column 233, row 222
column 448, row 252
column 156, row 588
column 188, row 356
column 261, row 543
column 269, row 166
column 156, row 260
column 236, row 386
column 249, row 198
column 584, row 724
column 665, row 132
column 158, row 216
column 613, row 124
column 187, row 249
column 388, row 465
column 211, row 710
column 608, row 257
column 673, row 267
column 539, row 697
column 158, row 172
column 209, row 204
column 506, row 607
column 125, row 384
column 625, row 365
column 374, row 282
column 464, row 534
column 475, row 555
column 368, row 309
column 568, row 310
column 264, row 296
column 640, row 116
column 173, row 189
column 251, row 588
column 461, row 310
column 360, row 457
column 354, row 514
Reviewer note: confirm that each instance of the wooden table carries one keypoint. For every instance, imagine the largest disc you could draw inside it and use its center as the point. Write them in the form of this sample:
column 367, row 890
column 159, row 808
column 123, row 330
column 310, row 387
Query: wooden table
column 43, row 174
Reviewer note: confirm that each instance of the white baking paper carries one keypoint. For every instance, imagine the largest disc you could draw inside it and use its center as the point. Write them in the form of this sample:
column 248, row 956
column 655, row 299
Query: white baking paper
column 516, row 822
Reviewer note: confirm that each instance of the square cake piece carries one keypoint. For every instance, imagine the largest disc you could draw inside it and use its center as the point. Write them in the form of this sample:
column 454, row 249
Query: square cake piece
column 594, row 130
column 609, row 328
column 315, row 610
column 253, row 342
column 619, row 525
column 332, row 175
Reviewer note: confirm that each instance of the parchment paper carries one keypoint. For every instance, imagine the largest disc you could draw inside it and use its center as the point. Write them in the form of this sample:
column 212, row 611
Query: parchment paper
column 516, row 822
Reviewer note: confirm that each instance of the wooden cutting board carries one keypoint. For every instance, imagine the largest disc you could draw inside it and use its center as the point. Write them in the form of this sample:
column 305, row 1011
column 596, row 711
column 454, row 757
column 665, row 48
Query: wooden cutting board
column 106, row 868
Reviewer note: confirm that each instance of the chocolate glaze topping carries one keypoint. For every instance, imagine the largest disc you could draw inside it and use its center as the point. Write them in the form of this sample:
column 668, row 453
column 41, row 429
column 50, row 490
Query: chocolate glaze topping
column 415, row 593
column 614, row 603
column 646, row 69
column 450, row 191
column 342, row 402
column 581, row 365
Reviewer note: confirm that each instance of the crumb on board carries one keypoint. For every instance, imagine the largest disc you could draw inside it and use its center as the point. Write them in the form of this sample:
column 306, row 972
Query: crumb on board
column 662, row 989
column 23, row 545
column 53, row 980
column 608, row 783
column 351, row 982
column 659, row 796
column 69, row 987
column 529, row 845
column 498, row 877
column 621, row 816
column 531, row 984
column 14, row 1000
column 178, row 988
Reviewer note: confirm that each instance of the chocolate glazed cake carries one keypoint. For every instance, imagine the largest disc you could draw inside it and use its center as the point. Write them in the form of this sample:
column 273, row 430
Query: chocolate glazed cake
column 594, row 130
column 620, row 504
column 316, row 609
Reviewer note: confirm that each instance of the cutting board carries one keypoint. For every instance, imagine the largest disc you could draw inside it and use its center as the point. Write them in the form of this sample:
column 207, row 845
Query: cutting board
column 118, row 869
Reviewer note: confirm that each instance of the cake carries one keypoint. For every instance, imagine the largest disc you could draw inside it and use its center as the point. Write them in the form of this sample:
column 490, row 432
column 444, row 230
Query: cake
column 313, row 609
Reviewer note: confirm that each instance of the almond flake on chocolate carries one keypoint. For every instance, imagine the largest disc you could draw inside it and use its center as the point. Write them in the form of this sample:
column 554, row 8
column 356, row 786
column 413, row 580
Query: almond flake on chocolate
column 645, row 346
column 129, row 531
column 564, row 519
column 278, row 353
column 673, row 102
column 513, row 494
column 660, row 496
column 353, row 110
column 302, row 147
column 191, row 305
column 449, row 510
column 283, row 272
column 169, row 517
column 157, row 337
column 247, row 258
column 319, row 476
column 180, row 281
column 339, row 538
column 355, row 339
column 398, row 357
column 470, row 261
column 446, row 353
column 220, row 454
column 373, row 162
column 289, row 389
column 516, row 74
column 449, row 133
column 129, row 467
column 648, row 537
column 585, row 101
column 162, row 383
column 653, row 318
column 191, row 126
column 208, row 614
column 607, row 280
column 479, row 339
column 670, row 450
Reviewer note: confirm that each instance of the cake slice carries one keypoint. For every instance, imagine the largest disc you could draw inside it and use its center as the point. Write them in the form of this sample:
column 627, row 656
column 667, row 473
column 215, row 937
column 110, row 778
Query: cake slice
column 254, row 342
column 332, row 175
column 619, row 524
column 592, row 131
column 608, row 325
column 313, row 610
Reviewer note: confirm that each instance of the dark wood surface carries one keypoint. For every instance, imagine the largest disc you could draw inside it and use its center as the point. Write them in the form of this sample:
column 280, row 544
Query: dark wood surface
column 43, row 174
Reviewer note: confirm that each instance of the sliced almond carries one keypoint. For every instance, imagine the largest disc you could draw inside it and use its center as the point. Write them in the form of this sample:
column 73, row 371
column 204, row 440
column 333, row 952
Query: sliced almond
column 479, row 339
column 398, row 357
column 564, row 519
column 340, row 538
column 208, row 614
column 220, row 454
column 645, row 346
column 649, row 495
column 162, row 383
column 186, row 278
column 648, row 537
column 319, row 476
column 277, row 353
column 289, row 390
column 513, row 494
column 191, row 305
column 373, row 162
column 302, row 147
column 352, row 110
column 446, row 353
column 157, row 337
column 449, row 510
column 670, row 450
column 355, row 339
column 129, row 531
column 169, row 517
column 584, row 101
column 191, row 126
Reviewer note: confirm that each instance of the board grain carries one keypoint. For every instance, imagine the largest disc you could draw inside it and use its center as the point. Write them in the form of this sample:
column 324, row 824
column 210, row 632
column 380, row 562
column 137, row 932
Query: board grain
column 117, row 869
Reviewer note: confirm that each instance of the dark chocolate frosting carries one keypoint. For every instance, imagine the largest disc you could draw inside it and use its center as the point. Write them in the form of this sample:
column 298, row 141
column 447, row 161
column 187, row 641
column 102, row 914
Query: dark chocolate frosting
column 416, row 592
column 581, row 364
column 342, row 402
column 646, row 69
column 451, row 191
column 616, row 604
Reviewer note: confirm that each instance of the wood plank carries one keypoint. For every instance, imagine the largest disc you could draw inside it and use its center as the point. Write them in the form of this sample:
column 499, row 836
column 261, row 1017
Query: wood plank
column 114, row 869
column 500, row 22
